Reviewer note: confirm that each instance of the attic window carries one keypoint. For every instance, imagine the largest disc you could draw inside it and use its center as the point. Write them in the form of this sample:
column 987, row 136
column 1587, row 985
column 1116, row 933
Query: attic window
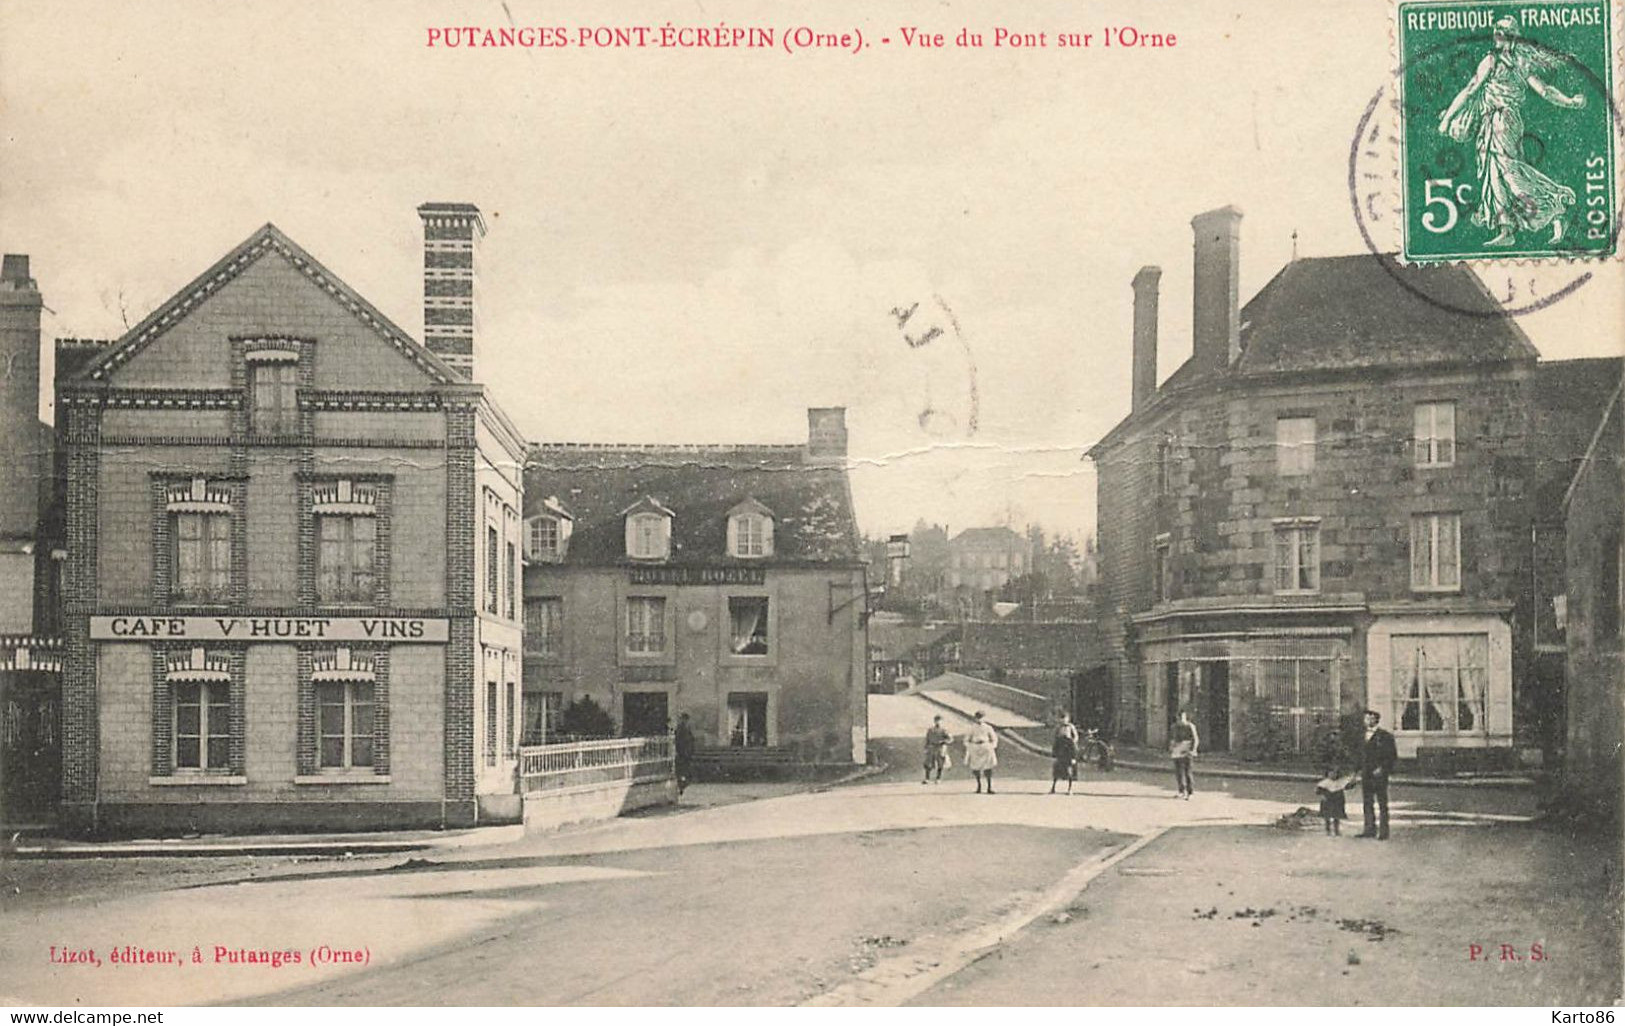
column 750, row 530
column 648, row 536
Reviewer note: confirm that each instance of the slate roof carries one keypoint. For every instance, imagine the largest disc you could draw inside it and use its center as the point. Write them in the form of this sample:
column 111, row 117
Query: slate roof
column 811, row 501
column 1571, row 398
column 992, row 536
column 894, row 640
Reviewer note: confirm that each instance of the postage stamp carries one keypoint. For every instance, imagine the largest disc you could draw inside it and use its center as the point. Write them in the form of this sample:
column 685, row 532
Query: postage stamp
column 1508, row 130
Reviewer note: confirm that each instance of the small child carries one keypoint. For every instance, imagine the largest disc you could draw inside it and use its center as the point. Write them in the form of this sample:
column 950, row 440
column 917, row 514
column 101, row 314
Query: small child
column 1330, row 788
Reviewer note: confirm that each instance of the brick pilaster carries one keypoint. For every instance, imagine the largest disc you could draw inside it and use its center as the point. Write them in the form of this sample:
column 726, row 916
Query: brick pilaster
column 461, row 520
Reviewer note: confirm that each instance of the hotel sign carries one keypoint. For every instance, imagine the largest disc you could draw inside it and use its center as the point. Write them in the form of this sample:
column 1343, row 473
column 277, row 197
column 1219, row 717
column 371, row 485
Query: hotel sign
column 698, row 575
column 396, row 629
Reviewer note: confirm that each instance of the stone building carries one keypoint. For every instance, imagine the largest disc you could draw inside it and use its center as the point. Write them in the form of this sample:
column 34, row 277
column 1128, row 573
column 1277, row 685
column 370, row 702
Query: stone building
column 982, row 560
column 721, row 581
column 1328, row 506
column 293, row 563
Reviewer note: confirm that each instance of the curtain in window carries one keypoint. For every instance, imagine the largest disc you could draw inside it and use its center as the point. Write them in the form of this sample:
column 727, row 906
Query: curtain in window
column 1421, row 551
column 1449, row 557
column 749, row 626
column 1439, row 683
column 1475, row 659
column 1406, row 683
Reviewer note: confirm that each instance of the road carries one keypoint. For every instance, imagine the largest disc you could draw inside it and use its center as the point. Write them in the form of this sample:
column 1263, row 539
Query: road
column 881, row 893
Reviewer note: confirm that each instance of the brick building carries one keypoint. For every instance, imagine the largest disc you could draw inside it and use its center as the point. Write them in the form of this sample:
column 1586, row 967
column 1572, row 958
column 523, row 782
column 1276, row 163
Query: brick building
column 256, row 635
column 1330, row 505
column 721, row 581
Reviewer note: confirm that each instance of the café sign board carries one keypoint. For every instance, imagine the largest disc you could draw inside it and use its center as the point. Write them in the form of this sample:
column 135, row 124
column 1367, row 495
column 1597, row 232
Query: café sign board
column 393, row 629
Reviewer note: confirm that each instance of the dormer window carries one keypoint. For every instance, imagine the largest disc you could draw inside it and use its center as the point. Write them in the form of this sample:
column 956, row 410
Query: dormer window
column 750, row 530
column 547, row 534
column 648, row 530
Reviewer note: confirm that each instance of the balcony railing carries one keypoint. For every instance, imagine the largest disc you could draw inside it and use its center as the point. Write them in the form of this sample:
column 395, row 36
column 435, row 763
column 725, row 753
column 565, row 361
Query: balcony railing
column 628, row 760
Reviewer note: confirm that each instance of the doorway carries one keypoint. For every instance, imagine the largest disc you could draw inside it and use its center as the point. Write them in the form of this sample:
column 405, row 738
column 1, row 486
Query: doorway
column 645, row 714
column 747, row 719
column 1214, row 706
column 30, row 744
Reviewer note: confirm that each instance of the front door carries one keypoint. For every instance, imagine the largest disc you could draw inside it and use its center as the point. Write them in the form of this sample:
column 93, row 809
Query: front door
column 644, row 714
column 747, row 719
column 30, row 744
column 1215, row 706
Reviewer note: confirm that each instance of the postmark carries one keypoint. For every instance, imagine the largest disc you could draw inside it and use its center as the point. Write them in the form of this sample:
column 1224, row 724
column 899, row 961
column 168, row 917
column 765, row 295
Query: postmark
column 1507, row 131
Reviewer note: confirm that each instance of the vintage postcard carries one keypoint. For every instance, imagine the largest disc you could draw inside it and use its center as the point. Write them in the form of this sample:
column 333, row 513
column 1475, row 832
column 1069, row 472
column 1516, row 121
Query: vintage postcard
column 741, row 503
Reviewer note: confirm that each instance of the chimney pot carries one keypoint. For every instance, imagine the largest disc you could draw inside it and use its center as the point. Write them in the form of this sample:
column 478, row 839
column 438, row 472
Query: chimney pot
column 1145, row 336
column 1216, row 317
column 451, row 232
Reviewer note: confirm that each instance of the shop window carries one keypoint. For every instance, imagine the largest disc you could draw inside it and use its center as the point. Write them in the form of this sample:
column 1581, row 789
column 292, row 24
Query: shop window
column 747, row 719
column 1294, row 445
column 1436, row 552
column 1440, row 682
column 344, row 710
column 748, row 623
column 645, row 624
column 1435, row 434
column 1297, row 557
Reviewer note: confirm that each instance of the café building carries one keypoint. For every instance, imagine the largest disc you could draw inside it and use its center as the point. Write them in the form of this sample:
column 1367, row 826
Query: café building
column 293, row 557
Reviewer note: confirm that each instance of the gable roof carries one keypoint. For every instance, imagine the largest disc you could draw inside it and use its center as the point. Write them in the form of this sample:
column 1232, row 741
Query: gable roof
column 266, row 240
column 1000, row 536
column 1572, row 400
column 811, row 502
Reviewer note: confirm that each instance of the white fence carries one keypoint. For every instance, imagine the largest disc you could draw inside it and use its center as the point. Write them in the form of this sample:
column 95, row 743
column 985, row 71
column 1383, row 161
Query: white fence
column 576, row 764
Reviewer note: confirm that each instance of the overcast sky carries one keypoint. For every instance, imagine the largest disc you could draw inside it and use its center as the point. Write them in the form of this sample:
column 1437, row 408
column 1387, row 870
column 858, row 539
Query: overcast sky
column 698, row 245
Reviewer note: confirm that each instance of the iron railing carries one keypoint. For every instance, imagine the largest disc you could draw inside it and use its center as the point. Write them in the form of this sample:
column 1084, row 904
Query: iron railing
column 626, row 760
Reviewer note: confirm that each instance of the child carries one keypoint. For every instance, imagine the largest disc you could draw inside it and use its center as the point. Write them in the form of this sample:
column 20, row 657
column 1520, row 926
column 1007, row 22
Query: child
column 1330, row 788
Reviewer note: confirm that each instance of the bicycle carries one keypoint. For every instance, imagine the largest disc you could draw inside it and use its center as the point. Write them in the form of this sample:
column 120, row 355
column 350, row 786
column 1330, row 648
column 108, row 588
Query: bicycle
column 1097, row 750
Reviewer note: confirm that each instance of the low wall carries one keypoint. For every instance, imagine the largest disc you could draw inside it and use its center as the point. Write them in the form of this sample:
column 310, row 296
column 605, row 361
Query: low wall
column 1027, row 703
column 549, row 810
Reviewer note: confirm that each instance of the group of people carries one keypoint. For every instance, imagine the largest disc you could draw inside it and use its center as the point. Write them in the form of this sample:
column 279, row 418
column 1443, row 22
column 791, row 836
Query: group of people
column 1378, row 754
column 982, row 752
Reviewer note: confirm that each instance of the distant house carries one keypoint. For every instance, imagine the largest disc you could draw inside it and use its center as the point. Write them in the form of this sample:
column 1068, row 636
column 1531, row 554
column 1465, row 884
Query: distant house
column 1329, row 506
column 981, row 560
column 903, row 653
column 725, row 582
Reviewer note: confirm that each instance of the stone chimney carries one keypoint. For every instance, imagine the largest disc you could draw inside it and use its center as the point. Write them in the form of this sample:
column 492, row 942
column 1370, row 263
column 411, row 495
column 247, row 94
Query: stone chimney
column 1145, row 336
column 1216, row 323
column 450, row 234
column 22, row 438
column 826, row 433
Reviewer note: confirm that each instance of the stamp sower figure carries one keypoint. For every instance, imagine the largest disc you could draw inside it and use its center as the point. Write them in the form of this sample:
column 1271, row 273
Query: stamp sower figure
column 1512, row 195
column 936, row 749
column 981, row 752
column 1183, row 744
column 1064, row 750
column 683, row 751
column 1377, row 760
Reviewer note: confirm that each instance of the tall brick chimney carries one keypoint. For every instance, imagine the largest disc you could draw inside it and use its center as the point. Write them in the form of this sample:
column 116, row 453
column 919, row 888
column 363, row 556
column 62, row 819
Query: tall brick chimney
column 1216, row 324
column 826, row 432
column 22, row 439
column 450, row 234
column 1145, row 336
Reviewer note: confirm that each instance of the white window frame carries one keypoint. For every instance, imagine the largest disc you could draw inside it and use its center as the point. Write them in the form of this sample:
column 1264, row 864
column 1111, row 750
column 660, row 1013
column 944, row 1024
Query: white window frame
column 1296, row 532
column 653, row 610
column 1417, row 672
column 213, row 578
column 350, row 700
column 1432, row 438
column 274, row 403
column 207, row 730
column 652, row 544
column 542, row 548
column 548, row 640
column 1294, row 456
column 1430, row 524
column 750, row 535
column 347, row 593
column 767, row 625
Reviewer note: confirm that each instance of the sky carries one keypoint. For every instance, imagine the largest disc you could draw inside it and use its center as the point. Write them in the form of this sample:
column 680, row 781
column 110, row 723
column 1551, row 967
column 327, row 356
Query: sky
column 696, row 245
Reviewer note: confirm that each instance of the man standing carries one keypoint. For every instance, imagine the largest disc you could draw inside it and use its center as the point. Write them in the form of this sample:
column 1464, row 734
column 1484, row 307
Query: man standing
column 1377, row 760
column 936, row 749
column 683, row 751
column 1183, row 744
column 1064, row 752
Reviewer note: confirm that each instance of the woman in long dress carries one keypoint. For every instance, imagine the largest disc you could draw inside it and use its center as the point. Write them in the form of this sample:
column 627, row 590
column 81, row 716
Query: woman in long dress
column 1512, row 195
column 981, row 752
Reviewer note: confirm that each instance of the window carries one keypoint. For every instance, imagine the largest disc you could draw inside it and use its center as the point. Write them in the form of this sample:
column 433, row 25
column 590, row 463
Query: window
column 275, row 409
column 510, row 721
column 750, row 535
column 1294, row 445
column 1297, row 557
column 544, row 626
column 648, row 536
column 645, row 624
column 1440, row 681
column 493, row 569
column 346, row 549
column 1164, row 469
column 542, row 710
column 1436, row 552
column 542, row 538
column 747, row 719
column 344, row 710
column 491, row 699
column 202, row 726
column 1435, row 434
column 1162, row 570
column 748, row 621
column 202, row 557
column 512, row 563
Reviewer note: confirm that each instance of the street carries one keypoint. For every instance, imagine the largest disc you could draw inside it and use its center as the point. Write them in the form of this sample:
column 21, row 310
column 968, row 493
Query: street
column 883, row 891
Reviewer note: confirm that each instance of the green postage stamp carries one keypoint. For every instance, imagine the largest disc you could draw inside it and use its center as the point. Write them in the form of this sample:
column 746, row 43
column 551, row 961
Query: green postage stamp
column 1508, row 129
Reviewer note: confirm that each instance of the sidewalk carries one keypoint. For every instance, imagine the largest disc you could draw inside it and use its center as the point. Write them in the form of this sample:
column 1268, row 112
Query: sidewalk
column 1217, row 915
